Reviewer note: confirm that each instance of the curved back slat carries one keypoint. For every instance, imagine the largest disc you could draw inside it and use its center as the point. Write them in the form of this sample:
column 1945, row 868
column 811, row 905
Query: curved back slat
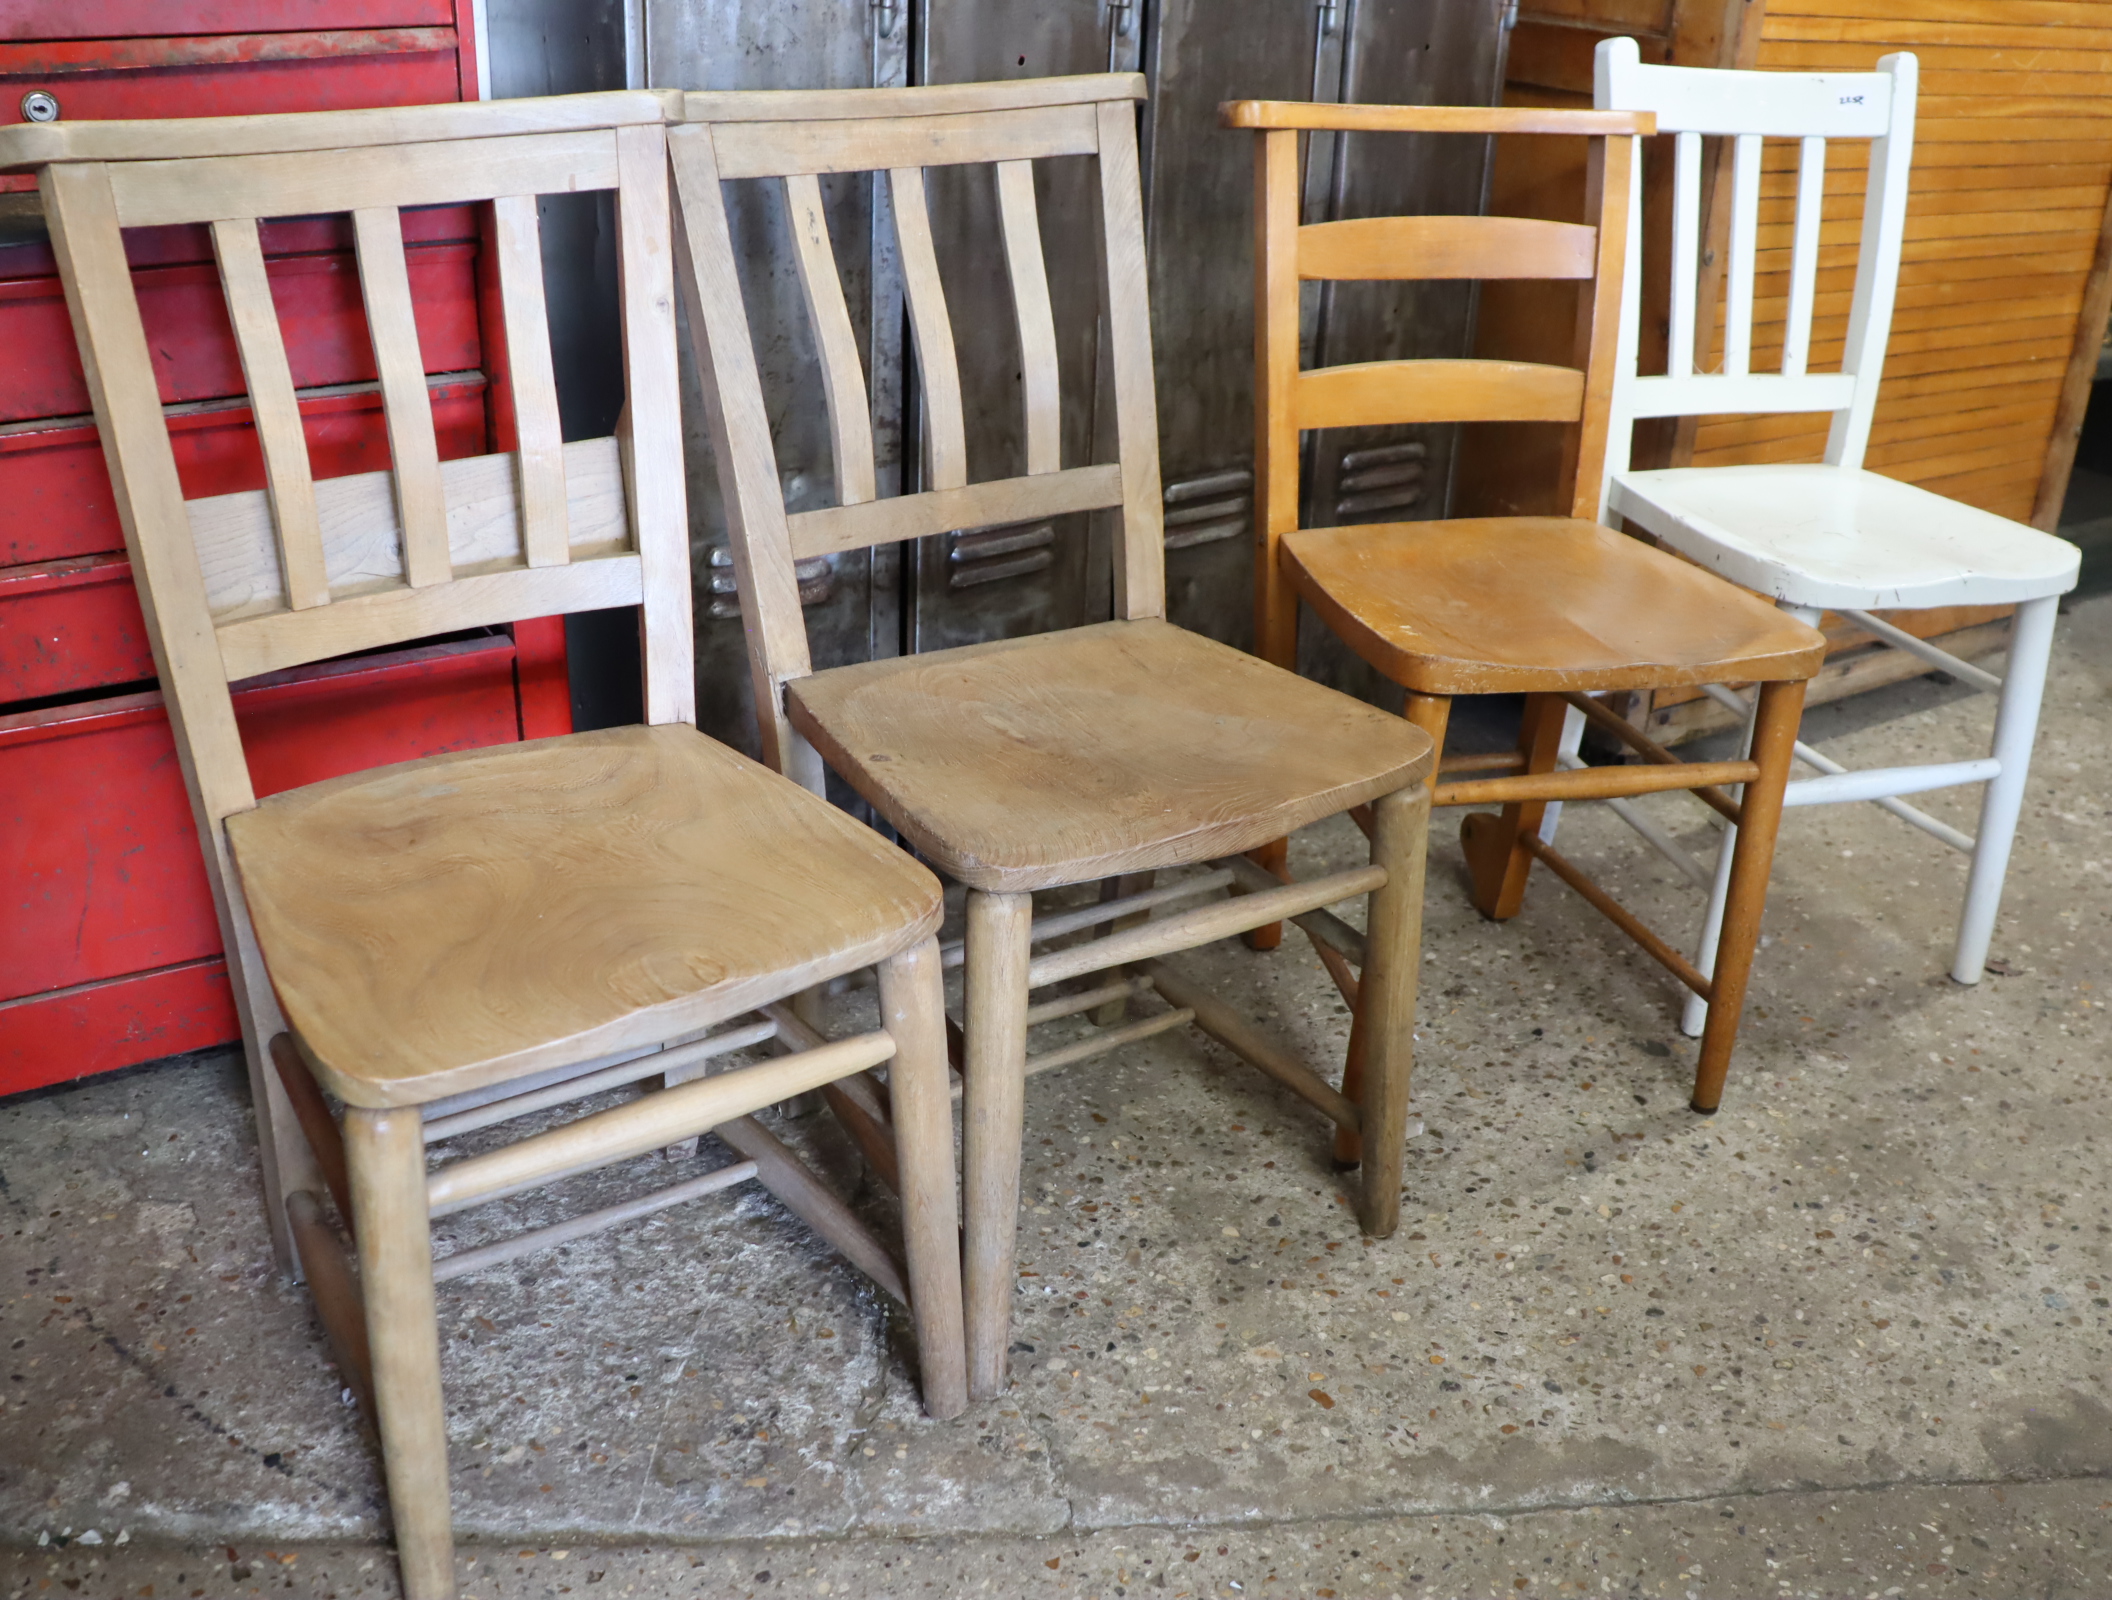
column 1446, row 247
column 842, row 373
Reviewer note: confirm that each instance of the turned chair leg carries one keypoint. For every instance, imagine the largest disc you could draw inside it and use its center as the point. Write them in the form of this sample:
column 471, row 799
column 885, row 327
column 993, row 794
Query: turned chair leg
column 913, row 1010
column 993, row 1101
column 1272, row 857
column 1386, row 999
column 386, row 1153
column 2016, row 724
column 1496, row 861
column 1775, row 720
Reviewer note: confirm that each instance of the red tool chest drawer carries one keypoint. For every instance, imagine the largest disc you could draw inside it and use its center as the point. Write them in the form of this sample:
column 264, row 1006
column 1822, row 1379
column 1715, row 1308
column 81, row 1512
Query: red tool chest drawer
column 109, row 952
column 100, row 874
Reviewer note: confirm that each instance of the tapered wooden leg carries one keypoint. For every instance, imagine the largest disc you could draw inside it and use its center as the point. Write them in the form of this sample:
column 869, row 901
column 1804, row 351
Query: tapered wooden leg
column 1275, row 856
column 1496, row 861
column 1393, row 940
column 1431, row 713
column 1775, row 721
column 993, row 1102
column 386, row 1152
column 913, row 1010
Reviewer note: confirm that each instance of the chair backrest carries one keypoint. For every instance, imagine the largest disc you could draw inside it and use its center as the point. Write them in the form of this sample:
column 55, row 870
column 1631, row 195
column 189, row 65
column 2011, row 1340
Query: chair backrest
column 242, row 584
column 1287, row 254
column 1748, row 108
column 797, row 136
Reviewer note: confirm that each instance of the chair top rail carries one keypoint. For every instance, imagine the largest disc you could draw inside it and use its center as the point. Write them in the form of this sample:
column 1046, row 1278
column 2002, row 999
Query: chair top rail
column 937, row 100
column 1783, row 105
column 882, row 143
column 1319, row 117
column 35, row 144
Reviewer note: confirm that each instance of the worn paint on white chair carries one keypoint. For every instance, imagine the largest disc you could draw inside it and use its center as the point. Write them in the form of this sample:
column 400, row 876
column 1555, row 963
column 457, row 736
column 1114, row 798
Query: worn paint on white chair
column 1827, row 535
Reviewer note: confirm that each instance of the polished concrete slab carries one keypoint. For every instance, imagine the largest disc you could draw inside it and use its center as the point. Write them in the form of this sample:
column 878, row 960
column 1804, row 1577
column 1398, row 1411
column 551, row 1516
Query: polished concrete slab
column 1609, row 1332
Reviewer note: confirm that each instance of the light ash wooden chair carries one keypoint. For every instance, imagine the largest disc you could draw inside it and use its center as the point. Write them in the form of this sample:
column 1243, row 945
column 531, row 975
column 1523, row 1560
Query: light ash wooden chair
column 453, row 943
column 1831, row 535
column 1556, row 609
column 1102, row 752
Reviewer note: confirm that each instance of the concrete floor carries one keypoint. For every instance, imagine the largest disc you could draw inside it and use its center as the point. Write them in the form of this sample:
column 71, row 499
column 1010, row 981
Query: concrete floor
column 1849, row 1337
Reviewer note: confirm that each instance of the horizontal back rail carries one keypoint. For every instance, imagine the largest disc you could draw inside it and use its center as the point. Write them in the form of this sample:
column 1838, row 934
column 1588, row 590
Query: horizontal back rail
column 727, row 107
column 1370, row 393
column 778, row 150
column 974, row 505
column 1330, row 117
column 1779, row 105
column 1446, row 247
column 158, row 193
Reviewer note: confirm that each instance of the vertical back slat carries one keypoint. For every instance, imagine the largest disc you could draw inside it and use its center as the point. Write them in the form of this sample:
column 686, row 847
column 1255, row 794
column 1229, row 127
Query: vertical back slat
column 652, row 424
column 1276, row 192
column 842, row 373
column 421, row 503
column 287, row 479
column 1686, row 253
column 517, row 239
column 1036, row 317
column 1620, row 427
column 1804, row 256
column 1744, row 246
column 1140, row 559
column 1877, row 265
column 946, row 439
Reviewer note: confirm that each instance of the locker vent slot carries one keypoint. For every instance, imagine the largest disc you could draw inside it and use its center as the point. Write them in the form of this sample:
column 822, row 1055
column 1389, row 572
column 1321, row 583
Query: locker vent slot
column 989, row 555
column 816, row 574
column 1388, row 478
column 1218, row 505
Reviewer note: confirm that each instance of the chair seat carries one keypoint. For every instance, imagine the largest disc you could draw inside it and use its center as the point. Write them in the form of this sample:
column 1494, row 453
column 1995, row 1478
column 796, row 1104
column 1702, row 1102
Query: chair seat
column 1834, row 536
column 1508, row 605
column 1120, row 747
column 460, row 921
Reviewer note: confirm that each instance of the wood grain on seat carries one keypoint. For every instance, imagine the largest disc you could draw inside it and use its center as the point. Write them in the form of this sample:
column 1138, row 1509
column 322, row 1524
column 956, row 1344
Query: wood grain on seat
column 1505, row 605
column 438, row 926
column 1102, row 750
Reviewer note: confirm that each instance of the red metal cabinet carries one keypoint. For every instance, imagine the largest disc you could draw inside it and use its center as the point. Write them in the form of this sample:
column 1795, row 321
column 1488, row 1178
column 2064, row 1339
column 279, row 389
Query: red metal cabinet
column 109, row 953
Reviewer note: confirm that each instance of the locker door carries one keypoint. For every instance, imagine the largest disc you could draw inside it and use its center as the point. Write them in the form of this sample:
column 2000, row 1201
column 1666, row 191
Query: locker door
column 852, row 599
column 987, row 583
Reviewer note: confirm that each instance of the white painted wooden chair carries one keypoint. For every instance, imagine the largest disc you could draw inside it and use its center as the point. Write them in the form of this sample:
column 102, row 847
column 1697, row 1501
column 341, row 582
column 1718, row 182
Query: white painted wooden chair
column 1832, row 535
column 450, row 944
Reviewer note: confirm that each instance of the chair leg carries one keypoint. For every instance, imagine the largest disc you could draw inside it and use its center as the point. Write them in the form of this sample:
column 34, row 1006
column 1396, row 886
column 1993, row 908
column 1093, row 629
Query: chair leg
column 1386, row 999
column 1694, row 1015
column 386, row 1152
column 1496, row 861
column 1272, row 857
column 913, row 1010
column 1566, row 747
column 993, row 1107
column 1775, row 720
column 2016, row 726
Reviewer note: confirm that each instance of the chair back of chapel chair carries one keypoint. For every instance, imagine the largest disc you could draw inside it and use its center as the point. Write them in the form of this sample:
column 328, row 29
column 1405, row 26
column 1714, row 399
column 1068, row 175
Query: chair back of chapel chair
column 1774, row 277
column 793, row 138
column 1289, row 253
column 303, row 569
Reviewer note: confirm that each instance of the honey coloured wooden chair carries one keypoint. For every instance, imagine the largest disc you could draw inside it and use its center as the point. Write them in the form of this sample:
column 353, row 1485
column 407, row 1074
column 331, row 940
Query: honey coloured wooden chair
column 1823, row 535
column 1098, row 753
column 450, row 944
column 1556, row 609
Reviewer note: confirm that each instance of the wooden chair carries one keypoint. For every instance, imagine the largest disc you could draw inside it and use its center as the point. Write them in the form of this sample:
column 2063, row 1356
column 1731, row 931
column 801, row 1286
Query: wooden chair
column 1556, row 609
column 448, row 944
column 1831, row 535
column 1102, row 752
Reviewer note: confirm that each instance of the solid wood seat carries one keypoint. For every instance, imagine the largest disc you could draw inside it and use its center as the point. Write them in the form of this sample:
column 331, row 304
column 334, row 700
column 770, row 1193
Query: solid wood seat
column 1514, row 605
column 1820, row 535
column 1123, row 747
column 440, row 926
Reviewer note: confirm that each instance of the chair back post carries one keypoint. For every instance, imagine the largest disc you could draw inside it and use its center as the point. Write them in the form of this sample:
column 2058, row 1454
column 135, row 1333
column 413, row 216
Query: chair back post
column 1747, row 108
column 1286, row 254
column 796, row 136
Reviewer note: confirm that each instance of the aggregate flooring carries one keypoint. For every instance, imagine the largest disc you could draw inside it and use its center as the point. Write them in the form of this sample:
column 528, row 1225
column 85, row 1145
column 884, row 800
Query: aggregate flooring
column 1847, row 1337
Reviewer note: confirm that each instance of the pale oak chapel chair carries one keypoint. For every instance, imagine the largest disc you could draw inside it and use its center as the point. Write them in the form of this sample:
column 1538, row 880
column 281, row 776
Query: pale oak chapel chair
column 1095, row 753
column 451, row 943
column 1828, row 535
